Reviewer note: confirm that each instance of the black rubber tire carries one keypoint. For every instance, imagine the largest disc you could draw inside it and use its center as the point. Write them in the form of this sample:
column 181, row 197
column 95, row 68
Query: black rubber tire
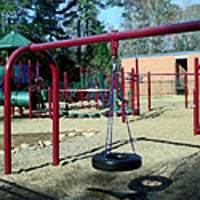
column 116, row 161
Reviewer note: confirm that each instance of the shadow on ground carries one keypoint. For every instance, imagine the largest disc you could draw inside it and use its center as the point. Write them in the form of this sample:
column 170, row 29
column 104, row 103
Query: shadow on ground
column 141, row 187
column 154, row 113
column 13, row 191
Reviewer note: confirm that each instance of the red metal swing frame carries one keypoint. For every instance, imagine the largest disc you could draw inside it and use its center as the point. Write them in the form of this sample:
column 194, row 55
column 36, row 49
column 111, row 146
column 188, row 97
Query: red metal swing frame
column 112, row 37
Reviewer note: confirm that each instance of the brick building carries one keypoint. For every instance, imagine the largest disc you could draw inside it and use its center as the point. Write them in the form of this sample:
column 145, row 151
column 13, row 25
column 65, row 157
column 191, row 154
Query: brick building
column 179, row 62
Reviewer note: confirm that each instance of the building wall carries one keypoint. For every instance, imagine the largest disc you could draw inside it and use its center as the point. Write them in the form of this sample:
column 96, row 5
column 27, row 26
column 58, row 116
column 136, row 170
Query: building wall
column 160, row 64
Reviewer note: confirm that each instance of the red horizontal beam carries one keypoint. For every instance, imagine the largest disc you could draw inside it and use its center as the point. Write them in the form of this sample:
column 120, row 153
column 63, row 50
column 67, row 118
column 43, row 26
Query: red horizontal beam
column 144, row 32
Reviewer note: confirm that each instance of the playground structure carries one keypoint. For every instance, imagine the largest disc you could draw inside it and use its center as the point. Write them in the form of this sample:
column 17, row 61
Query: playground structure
column 32, row 91
column 113, row 38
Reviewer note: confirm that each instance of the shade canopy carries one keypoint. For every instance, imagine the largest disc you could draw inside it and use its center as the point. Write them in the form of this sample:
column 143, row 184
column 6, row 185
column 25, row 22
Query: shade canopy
column 13, row 40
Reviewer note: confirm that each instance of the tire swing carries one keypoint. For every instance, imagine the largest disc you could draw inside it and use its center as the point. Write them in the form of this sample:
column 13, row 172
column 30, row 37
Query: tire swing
column 113, row 161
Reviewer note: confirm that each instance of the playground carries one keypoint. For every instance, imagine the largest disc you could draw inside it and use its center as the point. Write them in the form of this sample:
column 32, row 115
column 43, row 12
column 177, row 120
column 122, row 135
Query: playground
column 158, row 141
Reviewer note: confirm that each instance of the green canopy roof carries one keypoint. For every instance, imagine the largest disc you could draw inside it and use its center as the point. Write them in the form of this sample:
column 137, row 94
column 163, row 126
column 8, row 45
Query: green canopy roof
column 13, row 40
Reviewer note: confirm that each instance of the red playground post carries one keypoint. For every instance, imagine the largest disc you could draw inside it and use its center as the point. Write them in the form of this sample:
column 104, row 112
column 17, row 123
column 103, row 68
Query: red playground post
column 196, row 97
column 88, row 86
column 96, row 87
column 55, row 115
column 30, row 104
column 137, row 85
column 81, row 86
column 103, row 97
column 13, row 110
column 109, row 99
column 123, row 93
column 29, row 73
column 20, row 110
column 149, row 90
column 133, row 91
column 186, row 91
column 195, row 111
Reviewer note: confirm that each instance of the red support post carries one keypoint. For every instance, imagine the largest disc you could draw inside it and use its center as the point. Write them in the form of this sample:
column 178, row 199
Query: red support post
column 133, row 91
column 29, row 73
column 96, row 87
column 65, row 84
column 123, row 94
column 55, row 115
column 149, row 90
column 88, row 86
column 13, row 110
column 103, row 81
column 195, row 112
column 30, row 103
column 81, row 81
column 20, row 110
column 49, row 101
column 196, row 98
column 7, row 110
column 110, row 80
column 186, row 90
column 137, row 85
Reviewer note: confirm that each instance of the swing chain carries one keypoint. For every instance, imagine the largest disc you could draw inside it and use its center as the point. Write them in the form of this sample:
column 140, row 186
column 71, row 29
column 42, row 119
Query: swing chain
column 114, row 65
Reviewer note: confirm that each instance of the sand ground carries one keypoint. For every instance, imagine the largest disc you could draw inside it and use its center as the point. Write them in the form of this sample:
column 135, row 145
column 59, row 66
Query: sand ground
column 163, row 137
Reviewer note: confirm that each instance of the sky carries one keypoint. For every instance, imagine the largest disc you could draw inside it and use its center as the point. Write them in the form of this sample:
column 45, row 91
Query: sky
column 112, row 17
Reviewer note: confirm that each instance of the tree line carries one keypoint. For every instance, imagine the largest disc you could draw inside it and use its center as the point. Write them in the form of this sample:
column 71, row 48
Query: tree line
column 149, row 13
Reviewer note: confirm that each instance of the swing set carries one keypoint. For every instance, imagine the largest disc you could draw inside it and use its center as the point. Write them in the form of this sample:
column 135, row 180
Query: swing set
column 107, row 160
